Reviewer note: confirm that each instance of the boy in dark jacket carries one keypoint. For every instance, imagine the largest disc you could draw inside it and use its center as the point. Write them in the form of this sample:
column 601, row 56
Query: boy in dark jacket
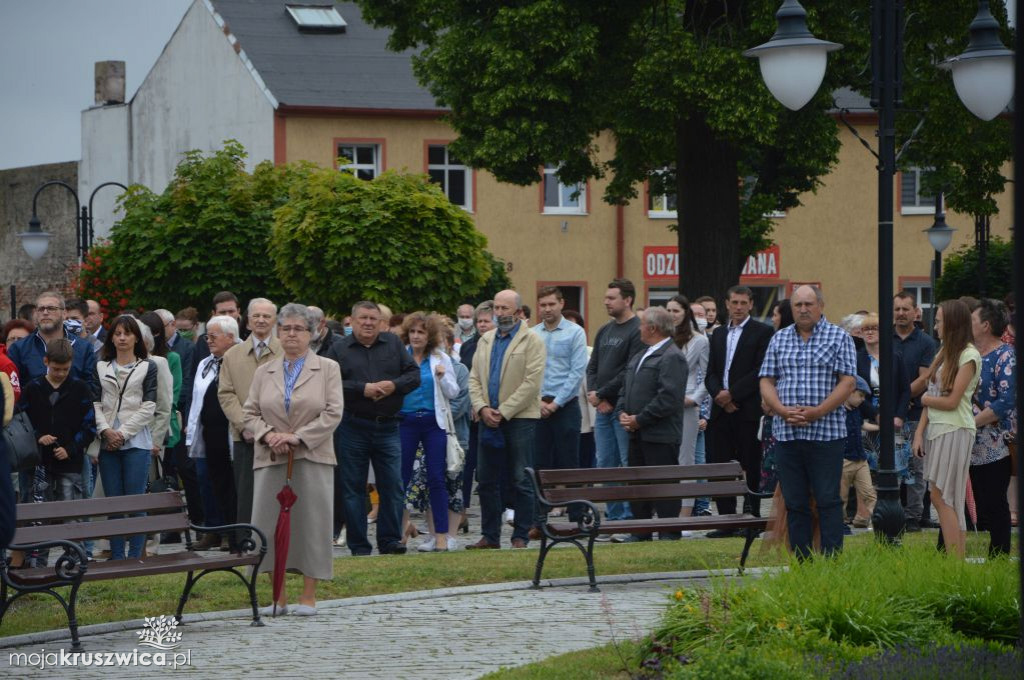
column 855, row 464
column 61, row 411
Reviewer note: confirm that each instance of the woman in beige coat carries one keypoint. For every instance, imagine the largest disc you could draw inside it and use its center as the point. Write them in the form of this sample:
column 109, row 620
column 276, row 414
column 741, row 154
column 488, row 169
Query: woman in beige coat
column 294, row 405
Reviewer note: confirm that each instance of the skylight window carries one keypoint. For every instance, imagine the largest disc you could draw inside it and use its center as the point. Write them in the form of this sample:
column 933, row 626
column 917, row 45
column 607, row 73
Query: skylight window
column 318, row 18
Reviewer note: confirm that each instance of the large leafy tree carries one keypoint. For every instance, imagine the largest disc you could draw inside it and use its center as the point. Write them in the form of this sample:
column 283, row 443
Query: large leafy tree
column 206, row 232
column 530, row 82
column 396, row 239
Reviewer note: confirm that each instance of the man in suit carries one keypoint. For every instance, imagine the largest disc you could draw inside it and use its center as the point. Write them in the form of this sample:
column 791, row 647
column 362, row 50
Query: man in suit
column 654, row 386
column 504, row 386
column 94, row 321
column 236, row 373
column 737, row 351
column 225, row 303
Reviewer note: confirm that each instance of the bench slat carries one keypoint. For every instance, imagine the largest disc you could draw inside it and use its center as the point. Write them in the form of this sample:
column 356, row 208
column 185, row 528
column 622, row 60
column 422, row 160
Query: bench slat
column 650, row 473
column 667, row 524
column 77, row 531
column 641, row 492
column 154, row 564
column 152, row 503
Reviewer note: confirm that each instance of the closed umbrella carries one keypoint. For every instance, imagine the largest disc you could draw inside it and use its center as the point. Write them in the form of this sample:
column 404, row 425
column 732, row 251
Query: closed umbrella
column 283, row 532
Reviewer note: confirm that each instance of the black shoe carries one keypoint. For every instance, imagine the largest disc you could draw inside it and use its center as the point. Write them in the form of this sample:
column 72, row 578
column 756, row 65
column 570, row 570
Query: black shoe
column 393, row 549
column 912, row 526
column 634, row 538
column 362, row 553
column 722, row 533
column 170, row 537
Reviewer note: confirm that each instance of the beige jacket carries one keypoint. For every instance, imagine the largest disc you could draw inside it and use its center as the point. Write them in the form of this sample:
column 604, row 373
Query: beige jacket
column 137, row 404
column 522, row 373
column 236, row 372
column 5, row 385
column 315, row 410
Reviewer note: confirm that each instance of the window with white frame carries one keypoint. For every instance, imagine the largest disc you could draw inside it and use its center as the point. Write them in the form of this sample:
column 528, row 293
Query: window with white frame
column 922, row 290
column 363, row 160
column 560, row 198
column 449, row 172
column 912, row 200
column 661, row 203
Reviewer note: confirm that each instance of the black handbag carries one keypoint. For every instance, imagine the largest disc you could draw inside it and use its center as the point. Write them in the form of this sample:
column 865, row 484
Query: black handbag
column 20, row 440
column 163, row 481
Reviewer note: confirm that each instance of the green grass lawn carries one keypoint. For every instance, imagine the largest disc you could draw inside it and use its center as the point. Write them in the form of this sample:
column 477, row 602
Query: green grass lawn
column 126, row 599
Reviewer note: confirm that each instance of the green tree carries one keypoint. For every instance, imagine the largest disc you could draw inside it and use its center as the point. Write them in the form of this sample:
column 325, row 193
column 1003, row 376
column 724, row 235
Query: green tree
column 396, row 239
column 534, row 82
column 497, row 280
column 960, row 272
column 207, row 232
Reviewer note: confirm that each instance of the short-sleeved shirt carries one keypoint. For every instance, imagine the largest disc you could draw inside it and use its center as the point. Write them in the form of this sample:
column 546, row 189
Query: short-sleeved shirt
column 939, row 421
column 805, row 374
column 917, row 350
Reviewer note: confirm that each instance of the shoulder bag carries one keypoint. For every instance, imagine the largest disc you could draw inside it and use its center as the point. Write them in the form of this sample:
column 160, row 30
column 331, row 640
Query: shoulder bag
column 455, row 456
column 20, row 439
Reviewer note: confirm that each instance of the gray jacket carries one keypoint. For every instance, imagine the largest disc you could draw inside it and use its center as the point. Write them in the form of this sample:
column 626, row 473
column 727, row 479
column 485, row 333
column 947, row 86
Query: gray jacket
column 654, row 394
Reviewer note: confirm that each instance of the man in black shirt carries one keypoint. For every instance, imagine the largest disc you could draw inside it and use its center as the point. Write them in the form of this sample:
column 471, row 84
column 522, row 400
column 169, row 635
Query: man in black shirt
column 376, row 373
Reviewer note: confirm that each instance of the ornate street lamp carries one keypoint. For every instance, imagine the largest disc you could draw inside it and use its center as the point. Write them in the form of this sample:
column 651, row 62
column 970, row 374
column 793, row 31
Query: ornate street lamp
column 983, row 74
column 940, row 235
column 35, row 241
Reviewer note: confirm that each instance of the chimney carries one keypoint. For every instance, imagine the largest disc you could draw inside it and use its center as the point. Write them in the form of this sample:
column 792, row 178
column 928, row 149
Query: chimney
column 109, row 82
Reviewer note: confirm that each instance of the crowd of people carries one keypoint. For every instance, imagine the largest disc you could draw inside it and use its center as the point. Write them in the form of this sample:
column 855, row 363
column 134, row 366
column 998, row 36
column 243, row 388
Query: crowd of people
column 368, row 410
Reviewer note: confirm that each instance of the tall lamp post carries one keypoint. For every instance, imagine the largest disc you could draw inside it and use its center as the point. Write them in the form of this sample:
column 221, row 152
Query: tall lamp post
column 983, row 79
column 940, row 235
column 36, row 241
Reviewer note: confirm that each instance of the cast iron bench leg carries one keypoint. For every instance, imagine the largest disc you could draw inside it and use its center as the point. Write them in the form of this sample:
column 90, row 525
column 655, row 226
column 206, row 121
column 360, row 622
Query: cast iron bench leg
column 73, row 617
column 590, row 564
column 544, row 548
column 751, row 534
column 189, row 582
column 256, row 621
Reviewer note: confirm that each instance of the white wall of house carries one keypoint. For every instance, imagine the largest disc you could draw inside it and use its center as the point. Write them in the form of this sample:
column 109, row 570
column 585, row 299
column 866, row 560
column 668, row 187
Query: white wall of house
column 198, row 94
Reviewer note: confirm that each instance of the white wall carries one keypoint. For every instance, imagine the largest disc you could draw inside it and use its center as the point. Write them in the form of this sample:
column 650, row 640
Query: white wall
column 105, row 158
column 198, row 94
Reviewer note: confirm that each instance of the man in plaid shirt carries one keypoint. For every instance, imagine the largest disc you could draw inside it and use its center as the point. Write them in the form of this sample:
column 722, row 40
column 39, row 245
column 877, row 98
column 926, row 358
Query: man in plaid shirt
column 808, row 373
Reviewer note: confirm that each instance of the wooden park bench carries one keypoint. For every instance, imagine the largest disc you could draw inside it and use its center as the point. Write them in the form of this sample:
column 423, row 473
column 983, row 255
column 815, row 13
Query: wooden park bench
column 581, row 489
column 42, row 526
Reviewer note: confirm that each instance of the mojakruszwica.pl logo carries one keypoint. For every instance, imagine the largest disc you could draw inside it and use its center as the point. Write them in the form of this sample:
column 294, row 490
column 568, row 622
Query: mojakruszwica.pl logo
column 158, row 632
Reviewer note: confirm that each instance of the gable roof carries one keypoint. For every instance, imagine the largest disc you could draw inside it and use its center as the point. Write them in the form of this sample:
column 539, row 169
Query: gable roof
column 350, row 70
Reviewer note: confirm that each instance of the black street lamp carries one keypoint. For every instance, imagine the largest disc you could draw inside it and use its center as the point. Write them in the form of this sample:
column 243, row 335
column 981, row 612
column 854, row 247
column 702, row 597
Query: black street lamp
column 982, row 76
column 940, row 235
column 36, row 241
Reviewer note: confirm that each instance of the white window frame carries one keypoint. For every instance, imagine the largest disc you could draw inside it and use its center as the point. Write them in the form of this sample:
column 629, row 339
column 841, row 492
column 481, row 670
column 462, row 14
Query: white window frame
column 914, row 175
column 918, row 288
column 448, row 166
column 581, row 198
column 354, row 167
column 660, row 214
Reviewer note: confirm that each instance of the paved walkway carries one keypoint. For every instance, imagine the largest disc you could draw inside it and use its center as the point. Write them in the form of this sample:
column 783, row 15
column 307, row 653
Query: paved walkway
column 457, row 633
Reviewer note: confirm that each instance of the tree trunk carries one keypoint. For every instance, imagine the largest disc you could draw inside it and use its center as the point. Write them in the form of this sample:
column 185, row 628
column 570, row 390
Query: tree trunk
column 708, row 205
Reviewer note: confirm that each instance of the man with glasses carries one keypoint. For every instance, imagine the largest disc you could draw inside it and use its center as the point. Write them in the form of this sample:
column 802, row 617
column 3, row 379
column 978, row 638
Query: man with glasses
column 94, row 321
column 27, row 355
column 236, row 373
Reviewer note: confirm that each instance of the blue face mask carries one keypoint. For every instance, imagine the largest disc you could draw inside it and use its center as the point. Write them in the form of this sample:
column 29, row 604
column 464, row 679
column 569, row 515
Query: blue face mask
column 348, row 330
column 73, row 326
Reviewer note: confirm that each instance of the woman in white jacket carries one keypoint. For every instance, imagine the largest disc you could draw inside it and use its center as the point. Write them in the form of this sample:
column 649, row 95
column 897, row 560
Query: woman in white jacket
column 697, row 350
column 424, row 416
column 124, row 419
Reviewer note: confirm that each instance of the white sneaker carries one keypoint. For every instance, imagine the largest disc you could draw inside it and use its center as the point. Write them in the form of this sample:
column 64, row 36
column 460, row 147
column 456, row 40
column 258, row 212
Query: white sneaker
column 620, row 538
column 341, row 540
column 270, row 611
column 428, row 546
column 452, row 544
column 603, row 538
column 509, row 517
column 686, row 534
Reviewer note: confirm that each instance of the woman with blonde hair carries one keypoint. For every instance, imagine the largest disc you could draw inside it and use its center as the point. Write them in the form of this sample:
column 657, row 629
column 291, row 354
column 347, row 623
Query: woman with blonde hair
column 946, row 432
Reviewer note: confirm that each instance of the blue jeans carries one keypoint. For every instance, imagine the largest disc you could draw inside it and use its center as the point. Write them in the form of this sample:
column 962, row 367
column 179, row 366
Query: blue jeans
column 520, row 440
column 558, row 443
column 366, row 442
column 809, row 469
column 699, row 457
column 124, row 474
column 612, row 451
column 422, row 427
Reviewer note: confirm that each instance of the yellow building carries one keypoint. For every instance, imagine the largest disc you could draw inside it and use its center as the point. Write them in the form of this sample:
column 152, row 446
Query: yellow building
column 294, row 85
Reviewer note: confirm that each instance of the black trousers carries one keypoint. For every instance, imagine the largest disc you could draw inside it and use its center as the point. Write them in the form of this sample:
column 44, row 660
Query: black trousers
column 990, row 483
column 730, row 437
column 218, row 464
column 176, row 461
column 643, row 453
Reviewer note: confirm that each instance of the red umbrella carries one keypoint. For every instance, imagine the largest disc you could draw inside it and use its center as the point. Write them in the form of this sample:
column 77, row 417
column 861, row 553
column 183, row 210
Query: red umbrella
column 283, row 532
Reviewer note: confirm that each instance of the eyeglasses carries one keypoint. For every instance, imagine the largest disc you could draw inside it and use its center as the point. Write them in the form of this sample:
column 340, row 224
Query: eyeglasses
column 286, row 330
column 48, row 310
column 873, row 329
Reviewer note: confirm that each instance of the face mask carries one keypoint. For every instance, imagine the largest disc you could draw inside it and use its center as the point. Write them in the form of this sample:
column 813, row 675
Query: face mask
column 465, row 324
column 702, row 325
column 74, row 326
column 188, row 335
column 348, row 330
column 506, row 323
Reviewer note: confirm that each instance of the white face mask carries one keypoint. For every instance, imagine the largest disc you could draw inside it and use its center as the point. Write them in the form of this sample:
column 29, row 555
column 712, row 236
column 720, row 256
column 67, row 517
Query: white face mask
column 465, row 324
column 702, row 325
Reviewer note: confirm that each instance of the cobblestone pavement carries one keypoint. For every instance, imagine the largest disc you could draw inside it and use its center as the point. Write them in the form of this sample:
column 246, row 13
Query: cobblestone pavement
column 458, row 636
